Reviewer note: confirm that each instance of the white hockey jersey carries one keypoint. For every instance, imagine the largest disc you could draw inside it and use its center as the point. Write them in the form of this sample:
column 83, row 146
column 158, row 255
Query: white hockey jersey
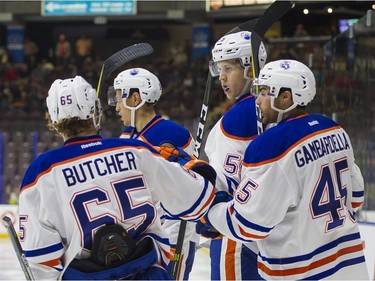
column 228, row 140
column 299, row 191
column 225, row 147
column 156, row 132
column 70, row 192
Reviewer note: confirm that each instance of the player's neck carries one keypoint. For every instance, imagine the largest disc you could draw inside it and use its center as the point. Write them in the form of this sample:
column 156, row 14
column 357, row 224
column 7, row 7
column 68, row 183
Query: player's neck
column 143, row 118
column 86, row 133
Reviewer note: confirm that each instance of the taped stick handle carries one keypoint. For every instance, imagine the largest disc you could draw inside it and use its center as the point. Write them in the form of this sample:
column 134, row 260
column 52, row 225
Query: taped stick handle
column 17, row 248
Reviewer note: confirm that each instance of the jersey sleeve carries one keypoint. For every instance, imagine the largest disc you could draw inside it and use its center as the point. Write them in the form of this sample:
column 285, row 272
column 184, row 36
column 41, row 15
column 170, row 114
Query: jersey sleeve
column 358, row 192
column 252, row 198
column 43, row 249
column 182, row 193
column 357, row 184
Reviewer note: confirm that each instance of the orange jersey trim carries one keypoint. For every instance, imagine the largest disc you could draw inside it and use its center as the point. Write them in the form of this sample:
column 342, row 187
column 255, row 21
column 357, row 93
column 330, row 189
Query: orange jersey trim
column 52, row 263
column 230, row 260
column 313, row 265
column 209, row 201
column 356, row 205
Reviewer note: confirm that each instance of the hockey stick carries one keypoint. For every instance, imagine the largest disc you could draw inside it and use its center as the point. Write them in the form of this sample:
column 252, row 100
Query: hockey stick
column 17, row 248
column 272, row 14
column 120, row 58
column 203, row 116
column 258, row 27
column 181, row 231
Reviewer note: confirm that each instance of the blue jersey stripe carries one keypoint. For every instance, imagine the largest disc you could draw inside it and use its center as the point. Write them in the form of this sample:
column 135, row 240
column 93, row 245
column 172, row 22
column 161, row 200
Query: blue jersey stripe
column 44, row 251
column 333, row 270
column 322, row 249
column 358, row 193
column 231, row 228
column 231, row 184
column 249, row 224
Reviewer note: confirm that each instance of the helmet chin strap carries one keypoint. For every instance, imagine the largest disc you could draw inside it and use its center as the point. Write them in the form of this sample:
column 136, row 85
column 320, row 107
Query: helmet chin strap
column 247, row 83
column 133, row 110
column 97, row 117
column 280, row 111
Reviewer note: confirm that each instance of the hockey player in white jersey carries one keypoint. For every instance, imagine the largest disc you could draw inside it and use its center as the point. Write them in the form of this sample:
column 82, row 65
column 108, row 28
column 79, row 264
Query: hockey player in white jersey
column 136, row 92
column 300, row 186
column 227, row 142
column 87, row 210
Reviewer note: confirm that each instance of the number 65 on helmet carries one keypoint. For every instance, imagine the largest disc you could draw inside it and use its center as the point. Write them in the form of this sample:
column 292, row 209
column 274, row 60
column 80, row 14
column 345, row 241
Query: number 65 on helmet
column 73, row 98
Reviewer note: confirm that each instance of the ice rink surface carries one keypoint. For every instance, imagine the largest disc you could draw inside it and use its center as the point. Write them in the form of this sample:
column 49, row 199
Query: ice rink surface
column 10, row 268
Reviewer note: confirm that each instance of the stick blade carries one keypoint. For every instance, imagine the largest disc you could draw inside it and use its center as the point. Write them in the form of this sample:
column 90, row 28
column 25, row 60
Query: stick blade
column 126, row 55
column 120, row 58
column 273, row 13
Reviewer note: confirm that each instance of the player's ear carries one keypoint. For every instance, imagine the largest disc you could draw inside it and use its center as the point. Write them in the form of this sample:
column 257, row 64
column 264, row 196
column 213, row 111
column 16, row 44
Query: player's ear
column 136, row 98
column 286, row 97
column 249, row 72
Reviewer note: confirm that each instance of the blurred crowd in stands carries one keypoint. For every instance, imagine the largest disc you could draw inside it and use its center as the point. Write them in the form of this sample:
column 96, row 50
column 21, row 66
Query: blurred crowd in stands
column 23, row 90
column 23, row 87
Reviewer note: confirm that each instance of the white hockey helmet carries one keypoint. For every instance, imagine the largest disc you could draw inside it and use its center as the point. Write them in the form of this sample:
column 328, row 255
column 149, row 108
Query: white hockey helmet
column 73, row 98
column 287, row 74
column 148, row 86
column 147, row 83
column 236, row 46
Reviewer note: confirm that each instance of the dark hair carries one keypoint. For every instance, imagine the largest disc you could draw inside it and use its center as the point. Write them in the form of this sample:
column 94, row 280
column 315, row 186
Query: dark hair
column 283, row 89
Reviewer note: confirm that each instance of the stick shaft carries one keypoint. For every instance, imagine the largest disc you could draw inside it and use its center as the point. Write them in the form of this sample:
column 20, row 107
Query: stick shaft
column 17, row 248
column 259, row 27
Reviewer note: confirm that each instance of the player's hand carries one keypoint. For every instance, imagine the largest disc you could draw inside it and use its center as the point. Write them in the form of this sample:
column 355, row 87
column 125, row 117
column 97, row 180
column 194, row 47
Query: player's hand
column 178, row 155
column 174, row 154
column 205, row 229
column 203, row 226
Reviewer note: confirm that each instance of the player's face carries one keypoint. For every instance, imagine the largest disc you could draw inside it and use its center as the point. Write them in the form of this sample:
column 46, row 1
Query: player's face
column 231, row 78
column 123, row 112
column 264, row 102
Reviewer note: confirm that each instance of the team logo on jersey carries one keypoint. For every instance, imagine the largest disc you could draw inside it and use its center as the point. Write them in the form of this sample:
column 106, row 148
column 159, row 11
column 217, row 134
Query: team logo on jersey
column 246, row 35
column 285, row 65
column 134, row 72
